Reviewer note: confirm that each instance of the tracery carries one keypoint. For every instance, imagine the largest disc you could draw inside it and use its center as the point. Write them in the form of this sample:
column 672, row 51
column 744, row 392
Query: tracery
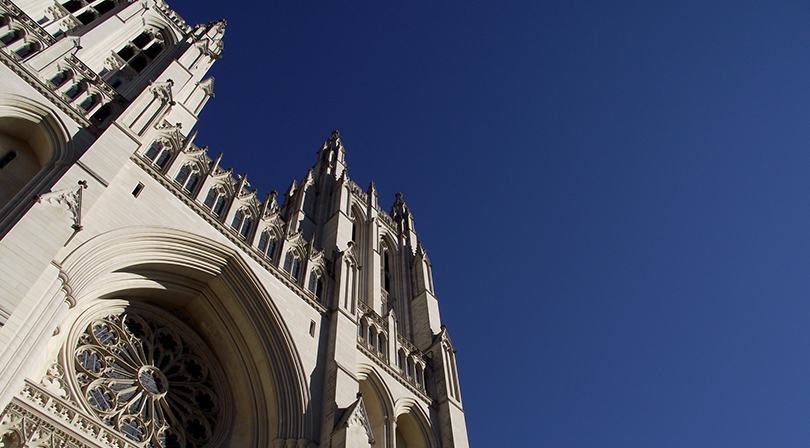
column 139, row 376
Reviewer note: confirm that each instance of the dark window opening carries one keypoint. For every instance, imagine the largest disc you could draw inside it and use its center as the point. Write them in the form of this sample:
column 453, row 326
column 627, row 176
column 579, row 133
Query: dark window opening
column 11, row 37
column 245, row 228
column 7, row 159
column 142, row 40
column 182, row 175
column 126, row 53
column 73, row 91
column 237, row 219
column 138, row 64
column 137, row 190
column 192, row 182
column 27, row 50
column 59, row 79
column 88, row 103
column 219, row 205
column 152, row 152
column 296, row 268
column 153, row 50
column 319, row 289
column 105, row 7
column 102, row 115
column 164, row 157
column 72, row 5
column 86, row 17
column 211, row 198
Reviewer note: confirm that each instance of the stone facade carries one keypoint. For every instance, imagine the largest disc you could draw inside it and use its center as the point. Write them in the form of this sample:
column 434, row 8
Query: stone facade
column 149, row 298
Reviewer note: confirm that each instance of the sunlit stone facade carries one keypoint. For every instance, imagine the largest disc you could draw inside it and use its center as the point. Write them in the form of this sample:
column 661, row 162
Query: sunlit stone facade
column 149, row 298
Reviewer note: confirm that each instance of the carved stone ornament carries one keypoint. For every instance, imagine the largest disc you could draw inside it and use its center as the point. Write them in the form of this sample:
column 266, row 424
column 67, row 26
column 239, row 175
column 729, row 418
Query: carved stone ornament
column 72, row 197
column 162, row 91
column 359, row 416
column 142, row 378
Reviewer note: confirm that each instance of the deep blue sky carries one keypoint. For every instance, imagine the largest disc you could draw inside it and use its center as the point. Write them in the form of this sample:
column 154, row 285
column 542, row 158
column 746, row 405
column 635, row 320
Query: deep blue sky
column 615, row 197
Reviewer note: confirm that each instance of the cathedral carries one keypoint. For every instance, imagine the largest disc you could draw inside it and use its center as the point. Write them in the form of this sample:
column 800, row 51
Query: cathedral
column 150, row 297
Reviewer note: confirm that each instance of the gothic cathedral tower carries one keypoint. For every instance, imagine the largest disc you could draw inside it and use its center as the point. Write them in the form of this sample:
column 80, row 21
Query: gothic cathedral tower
column 149, row 298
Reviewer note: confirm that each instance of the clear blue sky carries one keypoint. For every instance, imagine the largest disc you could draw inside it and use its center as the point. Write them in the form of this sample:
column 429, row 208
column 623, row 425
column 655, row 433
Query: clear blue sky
column 615, row 197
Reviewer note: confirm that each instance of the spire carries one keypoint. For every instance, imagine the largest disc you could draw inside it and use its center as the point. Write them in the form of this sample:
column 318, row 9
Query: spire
column 331, row 157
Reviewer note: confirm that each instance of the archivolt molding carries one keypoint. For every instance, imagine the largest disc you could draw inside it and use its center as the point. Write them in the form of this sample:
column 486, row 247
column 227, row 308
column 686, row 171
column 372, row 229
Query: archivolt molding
column 178, row 254
column 409, row 407
column 368, row 373
column 60, row 146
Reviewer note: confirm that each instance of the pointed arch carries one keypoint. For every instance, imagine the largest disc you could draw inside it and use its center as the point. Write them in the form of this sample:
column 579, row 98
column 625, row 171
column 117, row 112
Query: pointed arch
column 413, row 429
column 48, row 148
column 379, row 403
column 196, row 277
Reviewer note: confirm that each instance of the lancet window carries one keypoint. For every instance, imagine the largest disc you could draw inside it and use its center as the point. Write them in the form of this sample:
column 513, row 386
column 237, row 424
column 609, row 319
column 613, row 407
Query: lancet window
column 316, row 284
column 87, row 12
column 386, row 271
column 215, row 200
column 139, row 52
column 241, row 223
column 187, row 177
column 267, row 244
column 292, row 264
column 159, row 154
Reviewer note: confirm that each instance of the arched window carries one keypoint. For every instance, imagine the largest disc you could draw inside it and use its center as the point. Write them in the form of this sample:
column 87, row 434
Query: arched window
column 418, row 377
column 409, row 367
column 89, row 102
column 401, row 360
column 59, row 78
column 74, row 91
column 381, row 344
column 360, row 330
column 313, row 278
column 153, row 151
column 182, row 175
column 267, row 244
column 27, row 50
column 386, row 271
column 163, row 159
column 211, row 198
column 192, row 181
column 186, row 178
column 139, row 52
column 319, row 289
column 158, row 154
column 220, row 204
column 241, row 223
column 296, row 268
column 11, row 37
column 372, row 336
column 246, row 227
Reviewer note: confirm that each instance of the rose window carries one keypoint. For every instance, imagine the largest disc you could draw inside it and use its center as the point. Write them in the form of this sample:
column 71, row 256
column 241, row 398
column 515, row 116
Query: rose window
column 145, row 380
